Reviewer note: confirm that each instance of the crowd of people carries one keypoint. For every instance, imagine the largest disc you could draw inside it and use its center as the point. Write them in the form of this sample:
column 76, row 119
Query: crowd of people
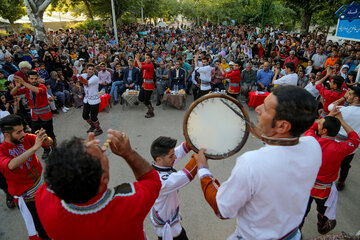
column 75, row 67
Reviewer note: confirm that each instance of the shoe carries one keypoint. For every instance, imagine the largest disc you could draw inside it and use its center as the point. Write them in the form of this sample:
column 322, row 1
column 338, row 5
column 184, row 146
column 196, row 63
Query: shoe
column 98, row 132
column 340, row 185
column 9, row 201
column 46, row 154
column 328, row 226
column 149, row 114
column 158, row 103
column 115, row 102
column 64, row 110
column 91, row 129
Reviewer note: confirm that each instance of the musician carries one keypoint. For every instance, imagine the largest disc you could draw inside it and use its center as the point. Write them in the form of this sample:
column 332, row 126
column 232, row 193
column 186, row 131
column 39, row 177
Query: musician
column 75, row 202
column 324, row 191
column 269, row 188
column 165, row 215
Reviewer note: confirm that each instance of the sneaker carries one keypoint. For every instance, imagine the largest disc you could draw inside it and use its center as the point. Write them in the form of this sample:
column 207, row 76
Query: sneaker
column 149, row 115
column 116, row 102
column 45, row 154
column 64, row 110
column 9, row 201
column 91, row 129
column 98, row 132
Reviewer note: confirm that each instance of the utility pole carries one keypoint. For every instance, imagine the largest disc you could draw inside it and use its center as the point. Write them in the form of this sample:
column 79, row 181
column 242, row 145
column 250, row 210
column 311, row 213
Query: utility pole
column 114, row 21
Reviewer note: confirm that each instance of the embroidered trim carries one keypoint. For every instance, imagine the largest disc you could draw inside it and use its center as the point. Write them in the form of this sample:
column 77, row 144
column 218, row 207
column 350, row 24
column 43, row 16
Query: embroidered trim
column 160, row 222
column 92, row 208
column 127, row 194
column 163, row 169
column 280, row 141
column 188, row 174
column 328, row 137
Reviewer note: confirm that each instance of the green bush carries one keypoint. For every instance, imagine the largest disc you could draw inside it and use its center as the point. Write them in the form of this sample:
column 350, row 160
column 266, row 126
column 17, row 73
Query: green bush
column 89, row 25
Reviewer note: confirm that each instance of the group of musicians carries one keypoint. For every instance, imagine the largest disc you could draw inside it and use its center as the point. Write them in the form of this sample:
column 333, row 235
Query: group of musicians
column 74, row 202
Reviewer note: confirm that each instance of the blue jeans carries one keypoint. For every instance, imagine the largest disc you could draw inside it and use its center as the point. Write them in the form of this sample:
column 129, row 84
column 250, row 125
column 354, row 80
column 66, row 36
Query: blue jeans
column 63, row 97
column 114, row 89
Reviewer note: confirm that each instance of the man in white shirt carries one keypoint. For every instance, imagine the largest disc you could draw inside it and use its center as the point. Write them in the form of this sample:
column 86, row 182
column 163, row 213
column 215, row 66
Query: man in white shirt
column 290, row 78
column 165, row 214
column 104, row 78
column 205, row 74
column 351, row 115
column 269, row 188
column 92, row 99
column 310, row 87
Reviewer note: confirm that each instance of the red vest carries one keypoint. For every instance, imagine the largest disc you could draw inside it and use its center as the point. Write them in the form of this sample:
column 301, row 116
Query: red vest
column 234, row 86
column 40, row 108
column 148, row 75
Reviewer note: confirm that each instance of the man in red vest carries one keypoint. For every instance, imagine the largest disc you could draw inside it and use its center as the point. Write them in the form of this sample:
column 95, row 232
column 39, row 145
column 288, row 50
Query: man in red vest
column 36, row 94
column 148, row 84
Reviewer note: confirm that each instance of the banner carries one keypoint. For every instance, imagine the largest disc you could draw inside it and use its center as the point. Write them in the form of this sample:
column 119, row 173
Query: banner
column 348, row 26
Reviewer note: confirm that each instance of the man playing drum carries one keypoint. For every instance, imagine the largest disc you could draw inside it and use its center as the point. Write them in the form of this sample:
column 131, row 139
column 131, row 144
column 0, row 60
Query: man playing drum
column 269, row 188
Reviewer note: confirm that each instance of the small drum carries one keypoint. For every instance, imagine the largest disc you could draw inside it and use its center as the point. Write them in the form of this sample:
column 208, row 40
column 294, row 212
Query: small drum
column 213, row 122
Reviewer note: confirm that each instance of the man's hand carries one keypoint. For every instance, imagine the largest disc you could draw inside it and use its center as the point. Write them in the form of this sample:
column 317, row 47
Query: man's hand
column 18, row 79
column 41, row 136
column 75, row 71
column 120, row 144
column 201, row 160
column 334, row 111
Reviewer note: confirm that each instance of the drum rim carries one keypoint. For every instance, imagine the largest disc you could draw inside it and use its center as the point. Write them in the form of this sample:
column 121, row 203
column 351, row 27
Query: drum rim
column 214, row 95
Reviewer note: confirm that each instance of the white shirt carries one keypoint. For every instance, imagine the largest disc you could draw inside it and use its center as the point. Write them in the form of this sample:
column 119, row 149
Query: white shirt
column 168, row 200
column 205, row 77
column 351, row 115
column 2, row 115
column 312, row 89
column 269, row 189
column 91, row 90
column 290, row 79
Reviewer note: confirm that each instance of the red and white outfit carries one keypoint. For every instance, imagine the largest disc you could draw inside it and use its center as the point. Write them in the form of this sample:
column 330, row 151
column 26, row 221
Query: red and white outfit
column 148, row 75
column 24, row 180
column 234, row 77
column 112, row 214
column 165, row 215
column 333, row 153
column 40, row 108
column 329, row 97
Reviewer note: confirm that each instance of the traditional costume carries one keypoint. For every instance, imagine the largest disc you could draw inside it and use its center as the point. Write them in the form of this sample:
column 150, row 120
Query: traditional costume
column 268, row 189
column 91, row 101
column 324, row 191
column 112, row 214
column 165, row 215
column 234, row 77
column 23, row 182
column 329, row 97
column 147, row 87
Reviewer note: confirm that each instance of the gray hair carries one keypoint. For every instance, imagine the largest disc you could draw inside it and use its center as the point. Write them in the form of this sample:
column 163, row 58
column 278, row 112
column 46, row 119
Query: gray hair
column 24, row 64
column 248, row 65
column 53, row 73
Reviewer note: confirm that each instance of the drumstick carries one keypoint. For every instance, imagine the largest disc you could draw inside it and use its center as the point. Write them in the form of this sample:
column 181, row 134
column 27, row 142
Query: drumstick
column 239, row 114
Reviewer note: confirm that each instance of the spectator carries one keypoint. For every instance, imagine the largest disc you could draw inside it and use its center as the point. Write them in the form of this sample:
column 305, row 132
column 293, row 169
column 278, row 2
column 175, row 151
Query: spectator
column 58, row 89
column 302, row 79
column 264, row 77
column 248, row 80
column 162, row 81
column 104, row 78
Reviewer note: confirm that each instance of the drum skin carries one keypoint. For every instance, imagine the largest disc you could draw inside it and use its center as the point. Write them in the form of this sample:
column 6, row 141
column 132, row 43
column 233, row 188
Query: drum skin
column 210, row 124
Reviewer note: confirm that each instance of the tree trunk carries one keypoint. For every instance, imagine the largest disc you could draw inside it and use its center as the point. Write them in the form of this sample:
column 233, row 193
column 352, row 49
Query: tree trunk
column 35, row 10
column 14, row 27
column 89, row 13
column 306, row 19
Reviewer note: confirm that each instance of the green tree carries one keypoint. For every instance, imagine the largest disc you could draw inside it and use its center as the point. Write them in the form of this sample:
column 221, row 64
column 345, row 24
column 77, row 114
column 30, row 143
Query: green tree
column 76, row 6
column 12, row 10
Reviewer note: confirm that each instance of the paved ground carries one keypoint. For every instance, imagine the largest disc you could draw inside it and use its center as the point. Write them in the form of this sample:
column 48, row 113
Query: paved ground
column 198, row 218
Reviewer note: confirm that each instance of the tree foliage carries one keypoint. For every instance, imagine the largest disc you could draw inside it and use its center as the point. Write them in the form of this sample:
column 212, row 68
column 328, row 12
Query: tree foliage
column 12, row 10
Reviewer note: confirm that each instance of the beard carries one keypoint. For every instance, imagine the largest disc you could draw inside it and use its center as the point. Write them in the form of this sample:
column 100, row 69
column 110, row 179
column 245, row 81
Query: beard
column 16, row 141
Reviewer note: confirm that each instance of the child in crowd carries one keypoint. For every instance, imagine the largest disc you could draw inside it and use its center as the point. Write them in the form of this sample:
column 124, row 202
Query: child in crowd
column 42, row 72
